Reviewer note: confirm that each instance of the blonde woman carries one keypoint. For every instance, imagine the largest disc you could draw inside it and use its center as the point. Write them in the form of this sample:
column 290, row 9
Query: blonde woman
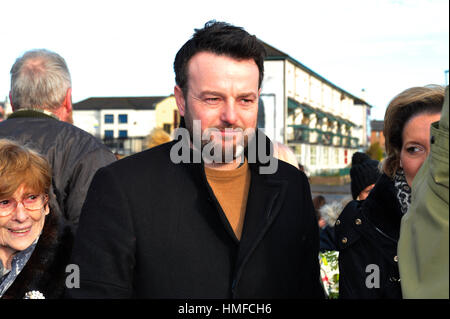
column 368, row 232
column 158, row 136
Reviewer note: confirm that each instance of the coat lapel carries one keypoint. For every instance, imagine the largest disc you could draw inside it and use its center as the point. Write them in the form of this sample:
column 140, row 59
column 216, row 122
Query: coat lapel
column 264, row 202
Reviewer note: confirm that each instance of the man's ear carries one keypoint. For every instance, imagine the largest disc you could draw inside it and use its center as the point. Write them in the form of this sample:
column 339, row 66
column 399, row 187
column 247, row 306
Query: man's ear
column 68, row 101
column 12, row 106
column 179, row 98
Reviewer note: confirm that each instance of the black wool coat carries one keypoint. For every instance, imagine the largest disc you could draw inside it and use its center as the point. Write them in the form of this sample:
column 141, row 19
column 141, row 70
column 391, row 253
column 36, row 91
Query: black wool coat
column 367, row 234
column 154, row 229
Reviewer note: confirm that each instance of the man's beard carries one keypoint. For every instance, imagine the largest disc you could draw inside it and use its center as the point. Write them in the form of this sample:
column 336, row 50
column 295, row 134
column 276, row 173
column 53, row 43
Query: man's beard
column 222, row 148
column 217, row 148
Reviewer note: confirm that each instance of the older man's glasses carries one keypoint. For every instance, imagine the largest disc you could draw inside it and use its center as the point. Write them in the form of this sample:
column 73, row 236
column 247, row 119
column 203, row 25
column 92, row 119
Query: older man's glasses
column 30, row 203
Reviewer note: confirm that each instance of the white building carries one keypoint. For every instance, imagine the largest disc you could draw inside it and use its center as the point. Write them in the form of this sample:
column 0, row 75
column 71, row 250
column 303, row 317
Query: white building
column 321, row 122
column 122, row 123
column 5, row 109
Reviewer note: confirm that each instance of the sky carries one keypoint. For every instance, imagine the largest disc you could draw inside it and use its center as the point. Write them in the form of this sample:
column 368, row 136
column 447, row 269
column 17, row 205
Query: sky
column 127, row 48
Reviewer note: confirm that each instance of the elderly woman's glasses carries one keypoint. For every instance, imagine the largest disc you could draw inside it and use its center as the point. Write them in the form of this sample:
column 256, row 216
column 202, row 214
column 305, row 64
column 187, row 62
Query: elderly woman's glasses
column 31, row 203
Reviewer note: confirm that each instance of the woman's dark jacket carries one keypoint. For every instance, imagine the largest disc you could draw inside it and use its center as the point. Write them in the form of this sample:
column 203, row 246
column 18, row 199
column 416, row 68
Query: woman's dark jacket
column 45, row 271
column 367, row 234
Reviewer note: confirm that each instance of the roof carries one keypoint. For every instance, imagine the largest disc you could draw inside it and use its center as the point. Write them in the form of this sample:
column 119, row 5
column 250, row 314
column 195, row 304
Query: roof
column 113, row 103
column 377, row 126
column 275, row 54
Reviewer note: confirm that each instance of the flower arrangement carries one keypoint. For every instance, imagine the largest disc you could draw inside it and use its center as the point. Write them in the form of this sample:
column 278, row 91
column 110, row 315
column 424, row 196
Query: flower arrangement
column 329, row 271
column 34, row 294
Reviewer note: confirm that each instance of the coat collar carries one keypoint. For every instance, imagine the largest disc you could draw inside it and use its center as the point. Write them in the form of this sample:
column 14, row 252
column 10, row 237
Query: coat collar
column 266, row 195
column 382, row 207
column 35, row 113
column 265, row 199
column 264, row 202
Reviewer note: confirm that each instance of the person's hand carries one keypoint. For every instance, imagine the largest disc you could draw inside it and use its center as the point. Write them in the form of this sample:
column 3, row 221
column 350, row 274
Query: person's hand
column 322, row 223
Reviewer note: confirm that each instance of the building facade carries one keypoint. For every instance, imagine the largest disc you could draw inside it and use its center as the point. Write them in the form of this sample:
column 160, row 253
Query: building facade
column 5, row 109
column 123, row 123
column 321, row 122
column 2, row 111
column 376, row 133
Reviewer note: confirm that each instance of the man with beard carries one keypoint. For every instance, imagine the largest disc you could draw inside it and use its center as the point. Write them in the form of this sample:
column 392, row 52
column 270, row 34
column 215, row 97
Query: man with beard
column 41, row 98
column 217, row 223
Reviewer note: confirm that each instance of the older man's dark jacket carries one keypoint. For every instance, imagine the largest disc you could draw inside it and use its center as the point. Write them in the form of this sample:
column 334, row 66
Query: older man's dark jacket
column 74, row 155
column 154, row 229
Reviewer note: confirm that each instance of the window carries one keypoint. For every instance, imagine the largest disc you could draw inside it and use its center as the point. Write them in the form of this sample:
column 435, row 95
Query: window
column 312, row 155
column 109, row 134
column 336, row 156
column 325, row 156
column 123, row 118
column 109, row 118
column 123, row 133
column 167, row 127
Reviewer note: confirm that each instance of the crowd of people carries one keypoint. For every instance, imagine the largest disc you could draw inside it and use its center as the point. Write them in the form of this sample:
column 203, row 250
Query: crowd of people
column 146, row 227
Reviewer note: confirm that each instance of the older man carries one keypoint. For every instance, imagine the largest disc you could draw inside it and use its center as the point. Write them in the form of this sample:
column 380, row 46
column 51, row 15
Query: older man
column 41, row 98
column 216, row 223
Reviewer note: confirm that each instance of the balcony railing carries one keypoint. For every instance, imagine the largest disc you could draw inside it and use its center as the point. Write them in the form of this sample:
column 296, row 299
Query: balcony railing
column 304, row 134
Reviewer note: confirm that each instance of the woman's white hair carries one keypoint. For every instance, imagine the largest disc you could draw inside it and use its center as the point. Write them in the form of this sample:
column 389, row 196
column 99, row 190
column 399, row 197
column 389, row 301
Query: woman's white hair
column 330, row 212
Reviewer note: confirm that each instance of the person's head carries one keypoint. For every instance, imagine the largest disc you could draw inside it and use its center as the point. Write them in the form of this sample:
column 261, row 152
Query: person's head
column 363, row 175
column 285, row 153
column 218, row 75
column 301, row 167
column 25, row 179
column 318, row 202
column 40, row 79
column 219, row 38
column 157, row 136
column 407, row 129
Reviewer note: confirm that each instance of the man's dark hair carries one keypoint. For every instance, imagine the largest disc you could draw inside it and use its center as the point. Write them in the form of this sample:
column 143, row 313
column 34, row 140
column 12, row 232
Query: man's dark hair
column 219, row 38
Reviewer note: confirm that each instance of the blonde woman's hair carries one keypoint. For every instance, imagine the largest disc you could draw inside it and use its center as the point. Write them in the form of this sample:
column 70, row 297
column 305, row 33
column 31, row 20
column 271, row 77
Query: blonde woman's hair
column 158, row 136
column 406, row 105
column 21, row 165
column 285, row 153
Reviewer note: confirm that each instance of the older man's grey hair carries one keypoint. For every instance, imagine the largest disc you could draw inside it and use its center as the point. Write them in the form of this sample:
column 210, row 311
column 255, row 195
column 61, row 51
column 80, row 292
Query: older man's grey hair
column 39, row 79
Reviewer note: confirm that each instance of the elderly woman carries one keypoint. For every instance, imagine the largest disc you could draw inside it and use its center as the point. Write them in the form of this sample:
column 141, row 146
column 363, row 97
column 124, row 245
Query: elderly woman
column 34, row 248
column 367, row 232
